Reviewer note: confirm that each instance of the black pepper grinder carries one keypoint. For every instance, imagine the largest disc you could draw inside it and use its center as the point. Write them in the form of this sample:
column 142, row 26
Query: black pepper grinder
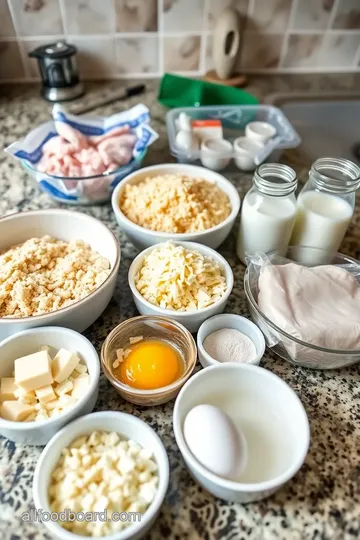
column 58, row 70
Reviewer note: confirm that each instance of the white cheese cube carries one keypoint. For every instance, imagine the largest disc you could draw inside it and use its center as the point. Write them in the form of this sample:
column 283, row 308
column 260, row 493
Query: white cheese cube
column 31, row 417
column 33, row 371
column 63, row 364
column 52, row 404
column 81, row 368
column 66, row 401
column 7, row 389
column 80, row 386
column 64, row 387
column 45, row 394
column 15, row 411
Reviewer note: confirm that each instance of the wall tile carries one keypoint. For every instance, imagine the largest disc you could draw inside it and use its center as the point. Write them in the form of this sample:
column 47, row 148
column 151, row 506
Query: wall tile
column 260, row 51
column 96, row 57
column 37, row 17
column 10, row 61
column 136, row 15
column 6, row 26
column 183, row 15
column 216, row 8
column 89, row 16
column 312, row 14
column 339, row 50
column 303, row 51
column 140, row 55
column 347, row 16
column 270, row 15
column 182, row 53
column 209, row 62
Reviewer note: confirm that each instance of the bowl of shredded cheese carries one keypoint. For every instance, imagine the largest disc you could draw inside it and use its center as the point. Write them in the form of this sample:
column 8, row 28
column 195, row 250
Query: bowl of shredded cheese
column 185, row 281
column 167, row 201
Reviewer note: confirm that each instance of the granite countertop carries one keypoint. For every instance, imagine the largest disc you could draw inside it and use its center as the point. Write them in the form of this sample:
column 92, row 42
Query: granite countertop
column 322, row 501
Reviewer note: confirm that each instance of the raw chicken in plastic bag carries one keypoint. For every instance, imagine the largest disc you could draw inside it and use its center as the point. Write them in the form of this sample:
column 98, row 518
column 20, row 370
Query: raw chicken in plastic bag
column 71, row 148
column 318, row 305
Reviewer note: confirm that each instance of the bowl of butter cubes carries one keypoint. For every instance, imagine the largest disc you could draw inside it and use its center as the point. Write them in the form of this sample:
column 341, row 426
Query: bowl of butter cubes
column 48, row 377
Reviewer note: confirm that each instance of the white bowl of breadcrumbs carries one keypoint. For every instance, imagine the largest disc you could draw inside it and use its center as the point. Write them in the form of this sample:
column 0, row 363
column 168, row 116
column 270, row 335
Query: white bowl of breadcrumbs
column 57, row 267
column 175, row 201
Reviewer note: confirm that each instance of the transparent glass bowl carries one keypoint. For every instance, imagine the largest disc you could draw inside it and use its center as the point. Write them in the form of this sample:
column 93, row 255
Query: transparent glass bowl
column 150, row 327
column 84, row 190
column 284, row 345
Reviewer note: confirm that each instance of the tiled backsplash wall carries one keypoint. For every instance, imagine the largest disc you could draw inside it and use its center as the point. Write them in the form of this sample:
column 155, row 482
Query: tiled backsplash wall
column 129, row 38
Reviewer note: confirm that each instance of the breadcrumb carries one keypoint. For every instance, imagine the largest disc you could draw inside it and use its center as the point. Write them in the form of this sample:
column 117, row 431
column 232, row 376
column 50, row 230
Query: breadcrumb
column 44, row 274
column 175, row 204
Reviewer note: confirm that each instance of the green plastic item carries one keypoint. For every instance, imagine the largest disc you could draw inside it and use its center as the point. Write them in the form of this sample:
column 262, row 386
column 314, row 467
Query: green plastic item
column 176, row 91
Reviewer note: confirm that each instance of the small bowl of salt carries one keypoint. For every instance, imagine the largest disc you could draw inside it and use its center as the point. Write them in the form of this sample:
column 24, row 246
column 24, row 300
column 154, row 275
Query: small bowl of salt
column 229, row 338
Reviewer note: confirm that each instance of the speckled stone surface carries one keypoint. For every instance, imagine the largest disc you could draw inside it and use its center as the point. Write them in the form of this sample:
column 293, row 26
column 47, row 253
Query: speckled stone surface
column 323, row 500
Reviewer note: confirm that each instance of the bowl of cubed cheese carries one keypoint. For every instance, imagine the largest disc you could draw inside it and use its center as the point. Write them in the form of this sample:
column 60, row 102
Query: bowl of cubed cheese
column 48, row 377
column 104, row 475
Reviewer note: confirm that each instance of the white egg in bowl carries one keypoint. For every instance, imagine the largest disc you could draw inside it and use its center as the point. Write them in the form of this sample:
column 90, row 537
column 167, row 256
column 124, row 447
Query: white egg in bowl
column 271, row 422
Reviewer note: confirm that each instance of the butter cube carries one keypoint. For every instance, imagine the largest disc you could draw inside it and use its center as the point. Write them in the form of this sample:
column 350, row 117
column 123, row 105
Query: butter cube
column 33, row 371
column 24, row 395
column 30, row 418
column 15, row 411
column 63, row 364
column 80, row 387
column 52, row 404
column 7, row 389
column 64, row 387
column 81, row 368
column 45, row 394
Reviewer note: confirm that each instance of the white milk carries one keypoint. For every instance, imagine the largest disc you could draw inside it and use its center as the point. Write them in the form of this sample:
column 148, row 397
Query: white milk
column 321, row 220
column 266, row 224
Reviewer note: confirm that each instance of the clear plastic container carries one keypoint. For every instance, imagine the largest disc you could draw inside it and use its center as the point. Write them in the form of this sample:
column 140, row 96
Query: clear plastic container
column 234, row 119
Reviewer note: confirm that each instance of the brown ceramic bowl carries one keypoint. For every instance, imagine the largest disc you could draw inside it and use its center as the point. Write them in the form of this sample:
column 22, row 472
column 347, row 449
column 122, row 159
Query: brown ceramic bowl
column 150, row 327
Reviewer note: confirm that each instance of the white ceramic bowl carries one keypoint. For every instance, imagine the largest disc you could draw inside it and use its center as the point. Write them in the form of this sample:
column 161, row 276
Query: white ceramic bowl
column 228, row 320
column 268, row 413
column 143, row 238
column 260, row 131
column 245, row 151
column 192, row 320
column 216, row 153
column 28, row 342
column 64, row 225
column 125, row 424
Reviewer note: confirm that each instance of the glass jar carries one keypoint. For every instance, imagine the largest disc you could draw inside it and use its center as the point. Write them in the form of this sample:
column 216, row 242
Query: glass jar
column 268, row 211
column 326, row 204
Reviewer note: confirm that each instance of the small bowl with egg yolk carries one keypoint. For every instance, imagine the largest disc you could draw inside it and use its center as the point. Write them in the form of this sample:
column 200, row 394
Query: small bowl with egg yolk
column 147, row 359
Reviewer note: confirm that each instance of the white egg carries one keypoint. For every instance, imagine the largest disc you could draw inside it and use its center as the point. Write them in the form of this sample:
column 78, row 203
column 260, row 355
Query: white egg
column 183, row 122
column 186, row 140
column 215, row 442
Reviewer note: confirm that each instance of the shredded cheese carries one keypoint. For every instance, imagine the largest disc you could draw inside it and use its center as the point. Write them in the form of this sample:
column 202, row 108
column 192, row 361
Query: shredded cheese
column 176, row 278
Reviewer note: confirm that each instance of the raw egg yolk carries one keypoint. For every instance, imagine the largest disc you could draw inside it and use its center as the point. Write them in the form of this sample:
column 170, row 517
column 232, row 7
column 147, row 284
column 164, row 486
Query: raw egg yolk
column 151, row 364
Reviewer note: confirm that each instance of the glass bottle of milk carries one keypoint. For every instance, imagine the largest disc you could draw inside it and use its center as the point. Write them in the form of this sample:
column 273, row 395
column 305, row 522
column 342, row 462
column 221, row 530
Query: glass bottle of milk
column 326, row 204
column 268, row 211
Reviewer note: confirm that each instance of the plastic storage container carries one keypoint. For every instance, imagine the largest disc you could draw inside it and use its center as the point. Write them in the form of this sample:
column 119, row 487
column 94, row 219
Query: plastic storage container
column 234, row 119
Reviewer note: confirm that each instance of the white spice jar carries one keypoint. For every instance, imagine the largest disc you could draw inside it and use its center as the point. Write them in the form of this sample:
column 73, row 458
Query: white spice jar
column 268, row 211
